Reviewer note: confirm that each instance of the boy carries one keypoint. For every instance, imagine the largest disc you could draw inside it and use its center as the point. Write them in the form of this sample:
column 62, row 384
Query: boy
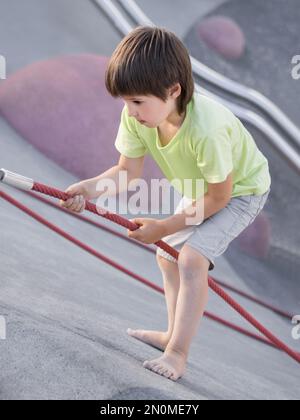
column 190, row 137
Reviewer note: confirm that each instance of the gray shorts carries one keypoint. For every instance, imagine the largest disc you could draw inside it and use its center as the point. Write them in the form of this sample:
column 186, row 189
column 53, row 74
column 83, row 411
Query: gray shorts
column 212, row 237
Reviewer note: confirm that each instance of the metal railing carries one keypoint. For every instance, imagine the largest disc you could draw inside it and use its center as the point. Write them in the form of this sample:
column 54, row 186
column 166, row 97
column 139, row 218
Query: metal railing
column 224, row 83
column 275, row 139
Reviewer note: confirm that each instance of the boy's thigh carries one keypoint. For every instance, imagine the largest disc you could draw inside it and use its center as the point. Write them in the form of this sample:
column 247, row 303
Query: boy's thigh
column 213, row 237
column 176, row 240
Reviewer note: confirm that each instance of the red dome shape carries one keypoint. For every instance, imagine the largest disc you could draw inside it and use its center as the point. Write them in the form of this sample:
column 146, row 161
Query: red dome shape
column 61, row 106
column 223, row 35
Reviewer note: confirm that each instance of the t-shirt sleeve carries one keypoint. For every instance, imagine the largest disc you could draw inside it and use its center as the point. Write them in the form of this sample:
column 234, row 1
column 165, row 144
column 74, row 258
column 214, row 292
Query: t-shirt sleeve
column 214, row 156
column 128, row 143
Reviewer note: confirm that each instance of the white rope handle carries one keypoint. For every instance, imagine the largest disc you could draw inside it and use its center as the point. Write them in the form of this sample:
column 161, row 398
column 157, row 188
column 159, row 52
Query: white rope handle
column 16, row 180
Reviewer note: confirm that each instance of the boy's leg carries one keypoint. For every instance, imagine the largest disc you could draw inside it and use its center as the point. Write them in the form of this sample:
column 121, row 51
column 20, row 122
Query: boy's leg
column 171, row 280
column 191, row 302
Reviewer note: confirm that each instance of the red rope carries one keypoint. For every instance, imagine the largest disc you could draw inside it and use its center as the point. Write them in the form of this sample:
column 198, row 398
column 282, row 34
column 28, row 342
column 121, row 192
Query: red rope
column 131, row 226
column 119, row 267
column 148, row 248
column 260, row 302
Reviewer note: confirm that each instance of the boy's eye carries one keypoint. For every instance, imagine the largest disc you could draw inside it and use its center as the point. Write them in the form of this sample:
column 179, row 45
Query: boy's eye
column 137, row 102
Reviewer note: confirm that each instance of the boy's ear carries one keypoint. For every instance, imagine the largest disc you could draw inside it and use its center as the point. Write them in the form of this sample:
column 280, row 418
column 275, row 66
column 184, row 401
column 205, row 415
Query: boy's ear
column 175, row 91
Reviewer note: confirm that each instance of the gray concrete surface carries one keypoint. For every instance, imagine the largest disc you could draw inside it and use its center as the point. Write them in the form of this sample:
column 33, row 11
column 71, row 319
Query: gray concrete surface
column 41, row 29
column 67, row 312
column 169, row 13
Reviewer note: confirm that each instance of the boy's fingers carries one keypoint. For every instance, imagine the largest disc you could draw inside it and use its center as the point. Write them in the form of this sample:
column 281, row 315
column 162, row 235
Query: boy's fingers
column 70, row 190
column 138, row 222
column 131, row 234
column 69, row 203
column 76, row 203
column 81, row 205
column 66, row 203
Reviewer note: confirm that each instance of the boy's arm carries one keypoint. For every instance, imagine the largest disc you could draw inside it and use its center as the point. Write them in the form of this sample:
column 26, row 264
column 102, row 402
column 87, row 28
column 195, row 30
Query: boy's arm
column 133, row 166
column 216, row 198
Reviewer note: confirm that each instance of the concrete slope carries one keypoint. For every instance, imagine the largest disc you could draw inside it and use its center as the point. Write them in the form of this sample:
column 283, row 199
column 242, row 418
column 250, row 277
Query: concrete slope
column 67, row 315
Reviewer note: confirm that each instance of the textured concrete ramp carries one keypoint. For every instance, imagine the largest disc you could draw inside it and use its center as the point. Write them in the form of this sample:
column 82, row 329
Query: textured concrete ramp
column 67, row 315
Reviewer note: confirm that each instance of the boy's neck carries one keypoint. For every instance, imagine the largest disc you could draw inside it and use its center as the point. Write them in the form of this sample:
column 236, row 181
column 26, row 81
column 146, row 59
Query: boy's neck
column 174, row 119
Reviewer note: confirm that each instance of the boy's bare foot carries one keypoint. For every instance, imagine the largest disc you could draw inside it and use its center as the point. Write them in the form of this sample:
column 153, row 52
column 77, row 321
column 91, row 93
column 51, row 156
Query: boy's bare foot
column 157, row 339
column 171, row 365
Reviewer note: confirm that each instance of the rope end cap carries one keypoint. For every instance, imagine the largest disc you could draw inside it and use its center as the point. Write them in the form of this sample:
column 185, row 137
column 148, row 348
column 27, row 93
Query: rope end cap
column 16, row 180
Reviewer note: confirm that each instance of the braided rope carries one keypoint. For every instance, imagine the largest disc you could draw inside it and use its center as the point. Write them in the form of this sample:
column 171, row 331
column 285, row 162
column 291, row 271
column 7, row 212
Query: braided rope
column 41, row 188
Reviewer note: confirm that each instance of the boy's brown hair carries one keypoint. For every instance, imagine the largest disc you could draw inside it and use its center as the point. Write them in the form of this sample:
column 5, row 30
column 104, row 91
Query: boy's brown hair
column 148, row 61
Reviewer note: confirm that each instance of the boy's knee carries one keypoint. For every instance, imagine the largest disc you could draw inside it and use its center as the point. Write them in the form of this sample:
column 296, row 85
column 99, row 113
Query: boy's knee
column 191, row 261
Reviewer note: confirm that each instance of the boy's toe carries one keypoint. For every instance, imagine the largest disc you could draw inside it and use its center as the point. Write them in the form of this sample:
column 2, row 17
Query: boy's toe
column 165, row 373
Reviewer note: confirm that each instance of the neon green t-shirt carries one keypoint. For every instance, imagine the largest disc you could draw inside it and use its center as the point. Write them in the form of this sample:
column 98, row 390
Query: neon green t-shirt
column 210, row 144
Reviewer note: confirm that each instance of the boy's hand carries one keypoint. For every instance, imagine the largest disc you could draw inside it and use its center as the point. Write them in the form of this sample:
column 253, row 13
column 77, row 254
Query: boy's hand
column 149, row 232
column 77, row 202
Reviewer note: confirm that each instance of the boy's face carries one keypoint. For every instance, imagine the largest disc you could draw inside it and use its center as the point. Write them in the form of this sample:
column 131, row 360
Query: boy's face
column 150, row 110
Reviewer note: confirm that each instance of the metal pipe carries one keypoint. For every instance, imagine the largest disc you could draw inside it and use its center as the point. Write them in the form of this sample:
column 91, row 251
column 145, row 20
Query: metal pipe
column 223, row 82
column 274, row 138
